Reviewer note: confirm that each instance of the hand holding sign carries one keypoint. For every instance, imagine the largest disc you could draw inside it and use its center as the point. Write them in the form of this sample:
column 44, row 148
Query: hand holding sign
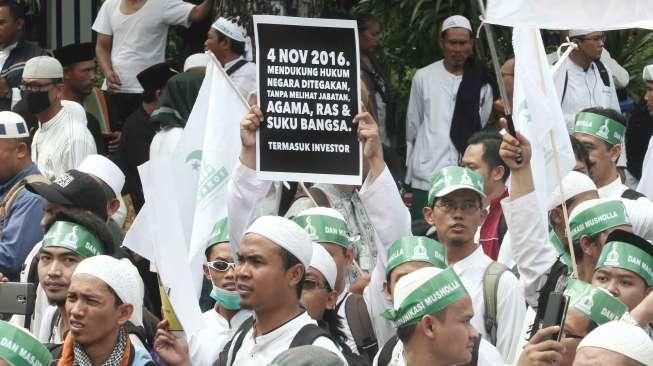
column 248, row 127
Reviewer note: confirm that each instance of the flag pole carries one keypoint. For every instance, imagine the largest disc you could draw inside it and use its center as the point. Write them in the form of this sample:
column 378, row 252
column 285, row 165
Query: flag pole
column 497, row 73
column 231, row 82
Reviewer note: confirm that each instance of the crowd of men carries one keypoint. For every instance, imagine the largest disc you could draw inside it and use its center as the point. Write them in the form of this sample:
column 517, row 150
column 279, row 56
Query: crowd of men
column 333, row 274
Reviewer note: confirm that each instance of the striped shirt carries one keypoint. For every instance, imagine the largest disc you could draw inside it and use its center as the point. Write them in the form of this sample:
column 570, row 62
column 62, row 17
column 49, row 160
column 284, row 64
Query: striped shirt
column 63, row 142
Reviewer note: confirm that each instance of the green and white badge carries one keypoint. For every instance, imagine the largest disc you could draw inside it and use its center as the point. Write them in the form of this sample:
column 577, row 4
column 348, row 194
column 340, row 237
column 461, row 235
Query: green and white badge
column 430, row 297
column 595, row 303
column 601, row 127
column 19, row 348
column 324, row 229
column 452, row 178
column 416, row 249
column 75, row 237
column 219, row 234
column 594, row 216
column 629, row 257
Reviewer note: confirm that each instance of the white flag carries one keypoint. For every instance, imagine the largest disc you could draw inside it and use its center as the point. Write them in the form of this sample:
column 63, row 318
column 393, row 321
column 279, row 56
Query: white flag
column 574, row 14
column 537, row 113
column 205, row 157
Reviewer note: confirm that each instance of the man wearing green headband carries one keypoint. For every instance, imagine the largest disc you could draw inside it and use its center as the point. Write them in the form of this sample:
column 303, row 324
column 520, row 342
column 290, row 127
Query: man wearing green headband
column 625, row 267
column 378, row 200
column 408, row 255
column 19, row 348
column 456, row 207
column 71, row 235
column 432, row 313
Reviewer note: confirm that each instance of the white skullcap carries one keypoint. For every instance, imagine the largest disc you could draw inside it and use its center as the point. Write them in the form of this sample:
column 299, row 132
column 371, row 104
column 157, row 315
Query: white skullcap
column 121, row 276
column 196, row 60
column 582, row 32
column 103, row 168
column 647, row 74
column 408, row 283
column 324, row 211
column 43, row 67
column 229, row 29
column 573, row 183
column 622, row 338
column 12, row 126
column 286, row 234
column 324, row 263
column 456, row 21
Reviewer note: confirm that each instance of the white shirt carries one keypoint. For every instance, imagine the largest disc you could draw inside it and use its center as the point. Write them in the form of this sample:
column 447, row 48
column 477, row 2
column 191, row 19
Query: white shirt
column 487, row 355
column 139, row 39
column 5, row 52
column 261, row 350
column 205, row 346
column 511, row 306
column 244, row 77
column 640, row 211
column 584, row 89
column 63, row 142
column 428, row 122
column 645, row 185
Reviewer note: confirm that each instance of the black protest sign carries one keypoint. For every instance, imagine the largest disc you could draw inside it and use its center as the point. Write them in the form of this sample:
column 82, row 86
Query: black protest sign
column 308, row 91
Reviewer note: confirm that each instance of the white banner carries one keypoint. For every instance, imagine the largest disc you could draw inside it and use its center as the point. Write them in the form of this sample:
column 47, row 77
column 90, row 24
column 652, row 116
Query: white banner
column 537, row 113
column 571, row 14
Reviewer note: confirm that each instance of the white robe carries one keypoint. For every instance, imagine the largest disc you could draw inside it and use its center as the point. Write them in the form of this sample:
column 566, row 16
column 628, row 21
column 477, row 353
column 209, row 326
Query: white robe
column 640, row 211
column 206, row 345
column 487, row 355
column 645, row 185
column 63, row 142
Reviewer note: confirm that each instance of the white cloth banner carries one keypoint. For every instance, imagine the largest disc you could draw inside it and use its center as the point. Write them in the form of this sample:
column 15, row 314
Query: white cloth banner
column 204, row 160
column 537, row 113
column 574, row 14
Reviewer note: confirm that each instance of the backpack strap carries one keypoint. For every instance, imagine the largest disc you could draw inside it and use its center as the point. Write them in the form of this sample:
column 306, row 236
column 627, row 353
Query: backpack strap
column 360, row 325
column 236, row 66
column 224, row 359
column 14, row 191
column 307, row 335
column 386, row 351
column 491, row 278
column 605, row 76
column 631, row 194
column 564, row 88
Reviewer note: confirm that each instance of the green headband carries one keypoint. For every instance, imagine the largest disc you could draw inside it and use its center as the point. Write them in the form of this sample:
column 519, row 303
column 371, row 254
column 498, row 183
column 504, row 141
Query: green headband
column 601, row 127
column 565, row 258
column 431, row 297
column 595, row 219
column 416, row 249
column 18, row 348
column 595, row 303
column 219, row 234
column 626, row 256
column 324, row 229
column 74, row 237
column 452, row 178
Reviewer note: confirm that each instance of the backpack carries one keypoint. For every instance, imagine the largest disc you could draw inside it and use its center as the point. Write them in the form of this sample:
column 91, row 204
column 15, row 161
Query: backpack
column 306, row 336
column 491, row 278
column 386, row 352
column 11, row 195
column 631, row 194
column 360, row 325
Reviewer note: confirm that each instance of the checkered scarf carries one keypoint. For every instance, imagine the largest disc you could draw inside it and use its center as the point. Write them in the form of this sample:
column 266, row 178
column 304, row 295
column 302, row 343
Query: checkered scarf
column 82, row 359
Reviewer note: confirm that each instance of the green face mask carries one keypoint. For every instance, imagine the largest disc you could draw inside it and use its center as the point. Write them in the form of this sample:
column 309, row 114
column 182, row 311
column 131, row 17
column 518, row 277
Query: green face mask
column 229, row 300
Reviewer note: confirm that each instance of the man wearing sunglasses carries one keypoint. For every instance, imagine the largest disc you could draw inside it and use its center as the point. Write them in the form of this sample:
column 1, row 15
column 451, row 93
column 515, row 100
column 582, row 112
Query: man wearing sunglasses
column 62, row 140
column 582, row 81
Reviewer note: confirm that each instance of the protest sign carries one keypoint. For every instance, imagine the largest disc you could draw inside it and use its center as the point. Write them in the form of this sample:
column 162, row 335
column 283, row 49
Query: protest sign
column 309, row 93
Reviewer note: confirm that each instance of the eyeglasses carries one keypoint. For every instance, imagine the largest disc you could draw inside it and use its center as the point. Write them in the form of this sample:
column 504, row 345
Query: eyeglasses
column 35, row 86
column 221, row 265
column 312, row 285
column 600, row 38
column 447, row 206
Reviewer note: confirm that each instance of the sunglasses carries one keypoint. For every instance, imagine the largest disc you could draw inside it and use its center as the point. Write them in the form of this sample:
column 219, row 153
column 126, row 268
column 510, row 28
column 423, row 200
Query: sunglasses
column 222, row 266
column 312, row 285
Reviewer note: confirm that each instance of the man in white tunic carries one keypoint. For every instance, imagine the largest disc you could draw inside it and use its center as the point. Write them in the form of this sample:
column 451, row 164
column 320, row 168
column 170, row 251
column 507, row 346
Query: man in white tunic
column 646, row 182
column 455, row 207
column 582, row 81
column 439, row 93
column 62, row 140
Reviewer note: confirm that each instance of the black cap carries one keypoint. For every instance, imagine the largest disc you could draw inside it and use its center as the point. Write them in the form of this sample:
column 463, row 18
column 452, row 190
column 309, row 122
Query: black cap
column 156, row 76
column 74, row 188
column 74, row 53
column 632, row 239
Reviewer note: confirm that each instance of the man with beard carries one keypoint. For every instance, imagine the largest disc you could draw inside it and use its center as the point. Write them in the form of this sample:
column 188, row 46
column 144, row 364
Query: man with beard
column 62, row 140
